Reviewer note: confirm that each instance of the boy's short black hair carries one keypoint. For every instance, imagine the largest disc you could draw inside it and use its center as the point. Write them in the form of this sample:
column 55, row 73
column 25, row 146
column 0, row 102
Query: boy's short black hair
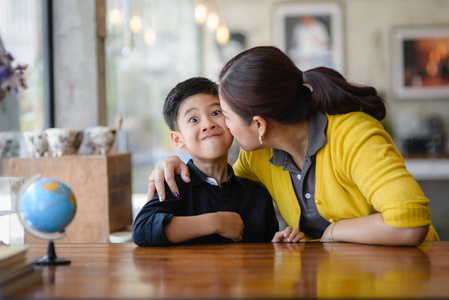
column 183, row 90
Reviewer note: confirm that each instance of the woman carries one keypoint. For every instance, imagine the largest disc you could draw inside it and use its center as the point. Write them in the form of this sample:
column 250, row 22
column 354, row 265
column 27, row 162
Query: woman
column 316, row 143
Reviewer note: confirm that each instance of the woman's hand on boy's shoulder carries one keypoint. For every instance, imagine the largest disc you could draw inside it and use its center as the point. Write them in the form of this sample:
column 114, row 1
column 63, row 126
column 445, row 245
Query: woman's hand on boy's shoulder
column 165, row 173
column 288, row 235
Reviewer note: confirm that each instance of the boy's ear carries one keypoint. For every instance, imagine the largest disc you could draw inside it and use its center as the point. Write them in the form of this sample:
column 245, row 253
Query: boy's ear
column 176, row 139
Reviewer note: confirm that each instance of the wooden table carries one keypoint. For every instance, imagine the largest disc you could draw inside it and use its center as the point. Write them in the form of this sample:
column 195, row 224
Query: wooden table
column 305, row 270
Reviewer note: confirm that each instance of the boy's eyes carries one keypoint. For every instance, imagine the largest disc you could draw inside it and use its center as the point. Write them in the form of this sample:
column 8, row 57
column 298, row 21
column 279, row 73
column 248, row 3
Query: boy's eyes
column 216, row 113
column 213, row 114
column 193, row 120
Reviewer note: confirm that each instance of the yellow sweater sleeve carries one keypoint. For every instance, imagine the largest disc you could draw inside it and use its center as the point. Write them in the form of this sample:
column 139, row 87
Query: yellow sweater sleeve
column 365, row 158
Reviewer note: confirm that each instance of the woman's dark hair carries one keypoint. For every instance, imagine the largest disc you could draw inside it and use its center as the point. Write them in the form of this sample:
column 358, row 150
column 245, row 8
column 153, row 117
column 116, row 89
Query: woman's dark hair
column 183, row 90
column 264, row 81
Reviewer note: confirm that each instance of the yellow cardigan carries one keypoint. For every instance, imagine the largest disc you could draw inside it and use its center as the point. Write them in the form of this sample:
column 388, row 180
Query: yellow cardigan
column 358, row 172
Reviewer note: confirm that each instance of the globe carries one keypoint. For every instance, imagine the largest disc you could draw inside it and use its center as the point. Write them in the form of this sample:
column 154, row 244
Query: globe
column 46, row 207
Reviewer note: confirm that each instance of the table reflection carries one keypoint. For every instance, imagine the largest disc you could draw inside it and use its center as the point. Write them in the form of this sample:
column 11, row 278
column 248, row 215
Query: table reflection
column 372, row 271
column 308, row 270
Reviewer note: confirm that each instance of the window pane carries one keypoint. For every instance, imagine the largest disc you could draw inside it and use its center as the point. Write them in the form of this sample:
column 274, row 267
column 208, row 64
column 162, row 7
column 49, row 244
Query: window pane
column 144, row 62
column 21, row 35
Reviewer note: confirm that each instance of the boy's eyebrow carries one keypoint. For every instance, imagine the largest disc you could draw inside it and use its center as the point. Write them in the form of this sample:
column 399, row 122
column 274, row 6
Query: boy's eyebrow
column 194, row 108
column 190, row 110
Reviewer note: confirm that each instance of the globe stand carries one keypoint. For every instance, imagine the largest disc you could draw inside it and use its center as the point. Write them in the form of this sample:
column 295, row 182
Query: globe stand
column 51, row 259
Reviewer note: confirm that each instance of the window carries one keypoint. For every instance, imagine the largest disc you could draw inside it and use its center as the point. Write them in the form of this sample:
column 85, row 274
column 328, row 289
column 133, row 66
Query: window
column 150, row 46
column 21, row 35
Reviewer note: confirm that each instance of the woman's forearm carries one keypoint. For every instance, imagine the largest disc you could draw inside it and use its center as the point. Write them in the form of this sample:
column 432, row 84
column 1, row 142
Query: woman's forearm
column 373, row 230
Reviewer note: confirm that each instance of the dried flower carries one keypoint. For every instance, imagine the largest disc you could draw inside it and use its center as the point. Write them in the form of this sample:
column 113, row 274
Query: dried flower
column 11, row 78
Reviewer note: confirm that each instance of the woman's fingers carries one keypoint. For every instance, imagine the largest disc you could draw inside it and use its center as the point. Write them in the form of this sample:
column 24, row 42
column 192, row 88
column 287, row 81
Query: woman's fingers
column 183, row 170
column 171, row 169
column 159, row 181
column 151, row 189
column 165, row 173
column 299, row 236
column 278, row 237
column 287, row 231
column 292, row 235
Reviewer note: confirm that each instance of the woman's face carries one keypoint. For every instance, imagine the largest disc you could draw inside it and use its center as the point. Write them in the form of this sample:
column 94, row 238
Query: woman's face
column 246, row 135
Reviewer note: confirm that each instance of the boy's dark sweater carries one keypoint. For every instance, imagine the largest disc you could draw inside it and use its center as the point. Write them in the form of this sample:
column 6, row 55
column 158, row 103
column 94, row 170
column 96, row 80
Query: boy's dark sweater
column 237, row 194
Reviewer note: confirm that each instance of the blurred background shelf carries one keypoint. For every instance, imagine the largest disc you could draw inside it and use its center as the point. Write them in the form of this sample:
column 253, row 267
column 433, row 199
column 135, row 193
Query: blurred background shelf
column 428, row 168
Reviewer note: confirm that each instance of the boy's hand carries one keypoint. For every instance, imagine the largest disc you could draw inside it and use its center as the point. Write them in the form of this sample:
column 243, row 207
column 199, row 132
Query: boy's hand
column 288, row 235
column 229, row 225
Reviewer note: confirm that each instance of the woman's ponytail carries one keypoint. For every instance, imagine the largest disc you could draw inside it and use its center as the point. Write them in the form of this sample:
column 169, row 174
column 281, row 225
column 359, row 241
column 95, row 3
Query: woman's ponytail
column 332, row 94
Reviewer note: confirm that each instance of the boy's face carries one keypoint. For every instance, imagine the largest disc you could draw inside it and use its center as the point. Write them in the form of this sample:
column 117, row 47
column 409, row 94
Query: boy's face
column 202, row 128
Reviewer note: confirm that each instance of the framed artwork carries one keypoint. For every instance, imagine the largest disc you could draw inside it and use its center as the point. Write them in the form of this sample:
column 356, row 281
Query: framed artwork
column 421, row 62
column 311, row 34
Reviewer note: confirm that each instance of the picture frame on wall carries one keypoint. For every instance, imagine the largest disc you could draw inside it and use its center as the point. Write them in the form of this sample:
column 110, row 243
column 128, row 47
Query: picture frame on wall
column 421, row 62
column 311, row 34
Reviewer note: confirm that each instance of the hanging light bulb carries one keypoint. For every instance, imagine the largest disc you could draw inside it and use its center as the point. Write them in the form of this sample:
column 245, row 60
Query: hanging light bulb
column 222, row 35
column 149, row 37
column 200, row 13
column 115, row 17
column 212, row 21
column 135, row 24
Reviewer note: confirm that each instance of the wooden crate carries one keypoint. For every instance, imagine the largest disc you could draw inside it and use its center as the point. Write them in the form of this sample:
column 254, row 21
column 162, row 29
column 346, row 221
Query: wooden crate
column 102, row 188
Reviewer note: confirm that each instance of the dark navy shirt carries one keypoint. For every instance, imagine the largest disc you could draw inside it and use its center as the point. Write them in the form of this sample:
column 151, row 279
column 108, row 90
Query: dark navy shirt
column 237, row 194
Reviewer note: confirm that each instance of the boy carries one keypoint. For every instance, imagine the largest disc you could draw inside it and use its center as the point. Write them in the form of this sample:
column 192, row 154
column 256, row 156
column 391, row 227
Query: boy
column 216, row 206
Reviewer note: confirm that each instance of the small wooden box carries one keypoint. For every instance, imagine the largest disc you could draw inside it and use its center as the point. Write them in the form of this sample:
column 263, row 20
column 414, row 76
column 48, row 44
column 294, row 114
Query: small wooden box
column 102, row 186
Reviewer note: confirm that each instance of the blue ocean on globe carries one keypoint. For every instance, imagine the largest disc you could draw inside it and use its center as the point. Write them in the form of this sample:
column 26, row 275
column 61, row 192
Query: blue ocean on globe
column 48, row 205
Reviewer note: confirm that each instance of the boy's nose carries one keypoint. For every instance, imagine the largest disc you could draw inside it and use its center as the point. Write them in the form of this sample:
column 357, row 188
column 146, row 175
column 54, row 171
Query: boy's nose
column 208, row 125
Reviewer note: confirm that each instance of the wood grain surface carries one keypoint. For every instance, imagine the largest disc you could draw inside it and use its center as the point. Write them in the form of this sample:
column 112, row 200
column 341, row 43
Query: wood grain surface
column 237, row 271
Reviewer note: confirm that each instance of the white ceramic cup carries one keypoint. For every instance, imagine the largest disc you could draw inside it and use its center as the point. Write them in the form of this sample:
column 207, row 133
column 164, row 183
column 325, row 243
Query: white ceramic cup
column 60, row 140
column 100, row 138
column 9, row 143
column 36, row 142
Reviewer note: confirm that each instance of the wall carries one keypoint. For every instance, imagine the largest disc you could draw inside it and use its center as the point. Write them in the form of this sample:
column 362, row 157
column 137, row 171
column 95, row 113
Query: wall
column 369, row 36
column 368, row 32
column 75, row 64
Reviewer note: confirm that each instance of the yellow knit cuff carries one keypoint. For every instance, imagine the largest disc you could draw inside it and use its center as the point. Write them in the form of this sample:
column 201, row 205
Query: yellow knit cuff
column 409, row 217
